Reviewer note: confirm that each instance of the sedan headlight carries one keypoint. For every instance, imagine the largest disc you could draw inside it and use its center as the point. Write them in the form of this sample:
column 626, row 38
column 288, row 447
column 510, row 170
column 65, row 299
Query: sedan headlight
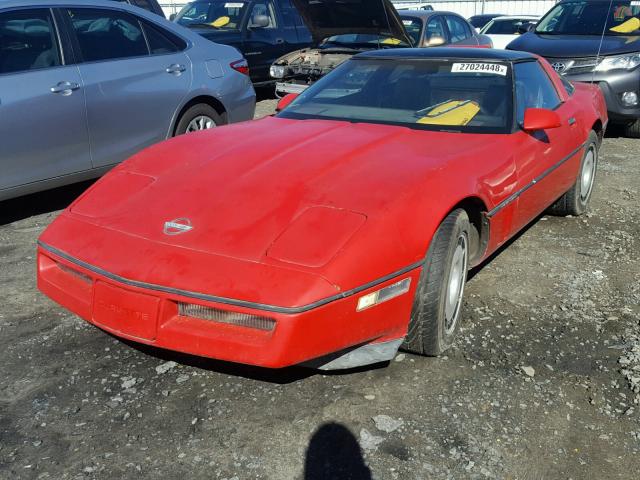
column 619, row 62
column 277, row 71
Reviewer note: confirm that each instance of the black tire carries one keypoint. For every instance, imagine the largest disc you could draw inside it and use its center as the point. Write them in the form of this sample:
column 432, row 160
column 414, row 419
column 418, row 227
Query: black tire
column 433, row 325
column 576, row 200
column 199, row 110
column 632, row 130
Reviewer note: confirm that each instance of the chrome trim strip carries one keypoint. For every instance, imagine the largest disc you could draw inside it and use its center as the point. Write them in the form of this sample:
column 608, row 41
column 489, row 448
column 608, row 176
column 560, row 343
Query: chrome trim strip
column 540, row 177
column 223, row 300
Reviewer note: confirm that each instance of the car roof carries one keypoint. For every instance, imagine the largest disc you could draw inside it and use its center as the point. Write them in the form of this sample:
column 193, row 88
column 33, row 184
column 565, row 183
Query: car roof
column 450, row 53
column 516, row 17
column 55, row 3
column 424, row 14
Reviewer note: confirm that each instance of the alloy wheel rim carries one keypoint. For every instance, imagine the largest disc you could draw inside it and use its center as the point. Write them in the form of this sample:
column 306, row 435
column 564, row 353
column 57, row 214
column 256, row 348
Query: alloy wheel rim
column 455, row 285
column 587, row 175
column 201, row 122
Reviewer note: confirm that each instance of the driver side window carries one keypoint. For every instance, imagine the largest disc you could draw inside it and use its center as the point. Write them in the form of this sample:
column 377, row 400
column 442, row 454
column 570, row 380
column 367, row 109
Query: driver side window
column 533, row 89
column 262, row 9
column 435, row 29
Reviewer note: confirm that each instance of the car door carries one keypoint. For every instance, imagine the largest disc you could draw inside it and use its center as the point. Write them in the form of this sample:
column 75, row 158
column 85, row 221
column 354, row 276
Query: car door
column 42, row 111
column 263, row 44
column 136, row 74
column 543, row 157
column 459, row 31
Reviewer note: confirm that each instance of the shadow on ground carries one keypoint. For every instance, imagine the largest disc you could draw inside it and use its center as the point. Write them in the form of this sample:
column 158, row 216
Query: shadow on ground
column 41, row 202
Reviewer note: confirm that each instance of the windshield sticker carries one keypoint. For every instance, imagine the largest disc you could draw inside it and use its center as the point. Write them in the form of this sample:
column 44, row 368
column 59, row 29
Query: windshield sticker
column 491, row 68
column 234, row 5
column 407, row 22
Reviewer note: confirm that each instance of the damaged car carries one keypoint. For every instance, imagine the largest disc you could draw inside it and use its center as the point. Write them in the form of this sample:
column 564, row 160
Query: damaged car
column 339, row 29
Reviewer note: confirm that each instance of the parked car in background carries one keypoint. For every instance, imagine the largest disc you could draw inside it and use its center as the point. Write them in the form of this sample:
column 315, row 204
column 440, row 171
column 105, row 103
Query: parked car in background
column 262, row 30
column 150, row 5
column 421, row 28
column 436, row 28
column 350, row 31
column 86, row 84
column 479, row 21
column 338, row 230
column 594, row 41
column 503, row 30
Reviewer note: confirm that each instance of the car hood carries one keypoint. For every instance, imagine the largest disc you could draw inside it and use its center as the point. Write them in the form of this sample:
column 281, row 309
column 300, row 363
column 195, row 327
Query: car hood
column 242, row 187
column 326, row 18
column 572, row 46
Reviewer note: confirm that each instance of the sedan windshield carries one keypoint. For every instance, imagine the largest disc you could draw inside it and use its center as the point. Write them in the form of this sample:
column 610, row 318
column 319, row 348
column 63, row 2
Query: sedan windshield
column 214, row 14
column 451, row 95
column 509, row 26
column 582, row 17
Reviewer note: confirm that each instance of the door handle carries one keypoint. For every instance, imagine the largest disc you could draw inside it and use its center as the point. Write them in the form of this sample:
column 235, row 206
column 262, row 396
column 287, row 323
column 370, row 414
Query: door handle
column 572, row 121
column 175, row 69
column 65, row 88
column 279, row 41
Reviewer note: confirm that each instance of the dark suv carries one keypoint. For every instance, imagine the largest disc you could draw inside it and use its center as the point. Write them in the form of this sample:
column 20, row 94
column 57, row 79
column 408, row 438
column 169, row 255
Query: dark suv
column 594, row 41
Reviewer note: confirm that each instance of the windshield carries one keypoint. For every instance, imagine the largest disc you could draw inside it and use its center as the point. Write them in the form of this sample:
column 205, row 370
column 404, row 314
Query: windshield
column 215, row 14
column 363, row 40
column 506, row 27
column 458, row 95
column 592, row 18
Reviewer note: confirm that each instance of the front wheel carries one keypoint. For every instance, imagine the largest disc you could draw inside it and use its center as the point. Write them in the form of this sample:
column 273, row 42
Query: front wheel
column 633, row 130
column 436, row 307
column 576, row 200
column 198, row 117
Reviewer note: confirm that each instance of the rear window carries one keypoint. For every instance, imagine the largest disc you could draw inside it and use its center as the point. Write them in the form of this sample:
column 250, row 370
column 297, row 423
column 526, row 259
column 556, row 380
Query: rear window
column 465, row 96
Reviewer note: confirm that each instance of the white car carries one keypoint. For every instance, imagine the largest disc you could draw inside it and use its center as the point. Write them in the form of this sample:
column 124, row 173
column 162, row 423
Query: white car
column 502, row 30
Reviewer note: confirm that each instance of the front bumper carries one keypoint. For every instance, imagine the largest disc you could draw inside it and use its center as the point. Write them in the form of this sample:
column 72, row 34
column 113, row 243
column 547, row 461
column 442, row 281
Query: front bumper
column 287, row 87
column 151, row 316
column 613, row 84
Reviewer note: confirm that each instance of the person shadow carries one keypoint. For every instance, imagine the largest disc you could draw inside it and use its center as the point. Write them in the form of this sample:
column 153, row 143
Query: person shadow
column 334, row 454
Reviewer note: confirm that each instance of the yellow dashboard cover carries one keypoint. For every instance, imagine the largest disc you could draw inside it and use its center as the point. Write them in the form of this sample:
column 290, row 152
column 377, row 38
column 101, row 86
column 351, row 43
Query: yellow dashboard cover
column 391, row 41
column 629, row 26
column 452, row 112
column 220, row 22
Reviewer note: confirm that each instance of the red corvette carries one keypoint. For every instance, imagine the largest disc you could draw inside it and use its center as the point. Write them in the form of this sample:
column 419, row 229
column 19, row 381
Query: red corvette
column 342, row 228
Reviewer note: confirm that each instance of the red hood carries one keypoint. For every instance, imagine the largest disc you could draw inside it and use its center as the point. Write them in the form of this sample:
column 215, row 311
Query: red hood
column 241, row 186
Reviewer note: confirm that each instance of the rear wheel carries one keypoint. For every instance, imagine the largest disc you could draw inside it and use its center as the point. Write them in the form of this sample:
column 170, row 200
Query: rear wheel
column 198, row 117
column 576, row 200
column 436, row 307
column 633, row 130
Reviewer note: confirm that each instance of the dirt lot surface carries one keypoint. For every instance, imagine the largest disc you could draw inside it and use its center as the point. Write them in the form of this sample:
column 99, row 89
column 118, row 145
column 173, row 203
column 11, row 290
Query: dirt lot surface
column 539, row 385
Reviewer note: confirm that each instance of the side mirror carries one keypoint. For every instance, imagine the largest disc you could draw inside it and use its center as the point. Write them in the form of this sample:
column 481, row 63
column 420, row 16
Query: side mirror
column 285, row 101
column 435, row 41
column 259, row 21
column 172, row 17
column 540, row 119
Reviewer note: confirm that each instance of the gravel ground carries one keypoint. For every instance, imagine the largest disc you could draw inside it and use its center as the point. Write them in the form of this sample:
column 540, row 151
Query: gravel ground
column 544, row 381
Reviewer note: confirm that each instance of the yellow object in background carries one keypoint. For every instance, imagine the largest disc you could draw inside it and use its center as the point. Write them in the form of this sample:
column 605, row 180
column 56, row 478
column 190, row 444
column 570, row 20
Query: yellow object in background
column 453, row 112
column 391, row 41
column 629, row 26
column 220, row 22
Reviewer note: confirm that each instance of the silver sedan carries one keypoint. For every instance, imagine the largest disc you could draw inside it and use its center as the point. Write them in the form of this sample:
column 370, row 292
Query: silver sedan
column 86, row 84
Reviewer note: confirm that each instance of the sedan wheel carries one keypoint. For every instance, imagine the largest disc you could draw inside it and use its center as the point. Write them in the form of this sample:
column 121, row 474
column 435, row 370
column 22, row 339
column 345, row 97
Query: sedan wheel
column 438, row 301
column 201, row 122
column 197, row 118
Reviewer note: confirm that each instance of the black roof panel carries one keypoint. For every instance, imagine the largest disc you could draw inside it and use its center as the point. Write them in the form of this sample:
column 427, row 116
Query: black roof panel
column 449, row 52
